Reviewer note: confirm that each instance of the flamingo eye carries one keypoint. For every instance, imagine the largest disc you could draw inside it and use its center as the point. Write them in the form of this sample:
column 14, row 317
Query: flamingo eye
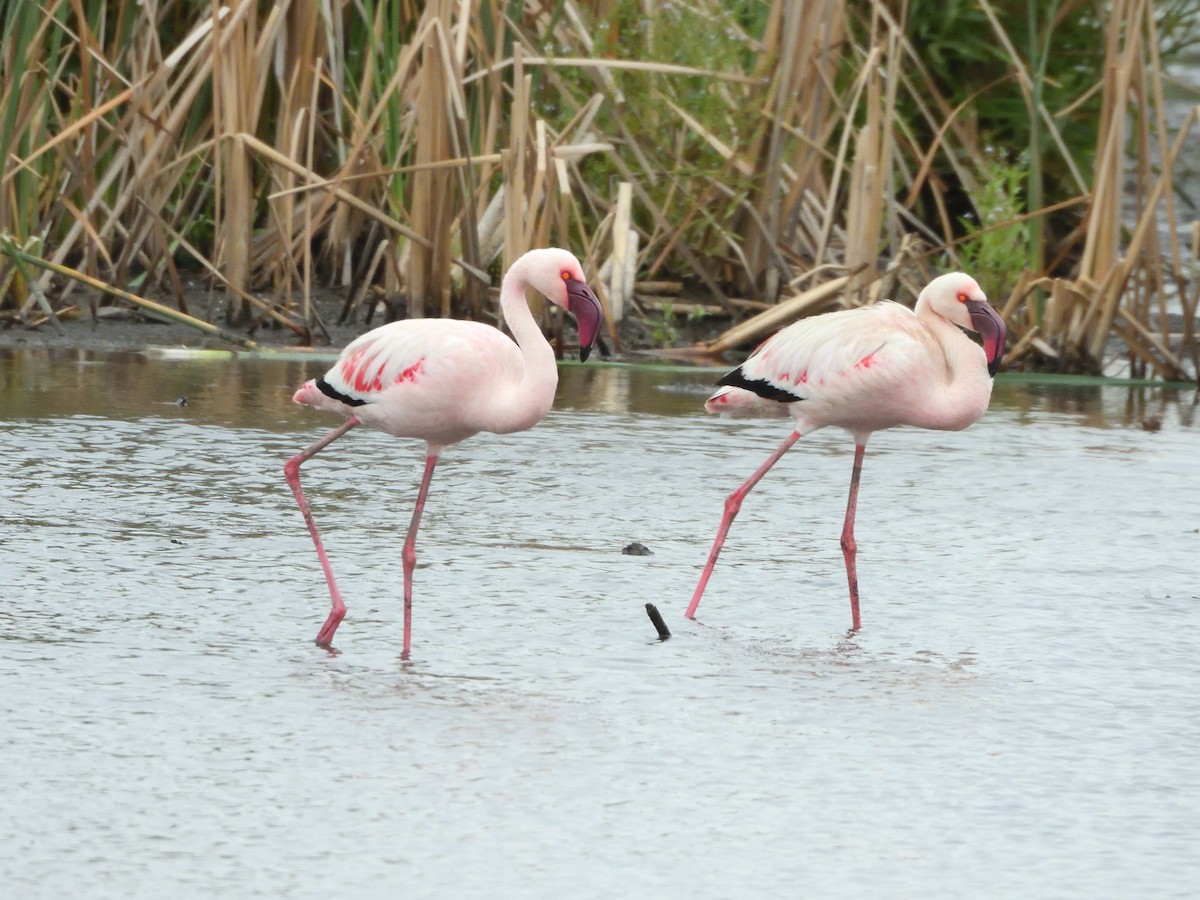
column 962, row 297
column 565, row 274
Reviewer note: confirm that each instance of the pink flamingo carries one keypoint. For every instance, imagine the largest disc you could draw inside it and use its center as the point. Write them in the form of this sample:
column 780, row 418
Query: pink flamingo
column 444, row 380
column 864, row 370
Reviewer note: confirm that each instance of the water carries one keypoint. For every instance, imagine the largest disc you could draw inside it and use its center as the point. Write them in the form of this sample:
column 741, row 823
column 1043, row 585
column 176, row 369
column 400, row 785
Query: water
column 1019, row 716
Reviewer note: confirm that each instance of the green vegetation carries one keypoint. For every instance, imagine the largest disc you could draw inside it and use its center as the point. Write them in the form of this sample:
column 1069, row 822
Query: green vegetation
column 997, row 247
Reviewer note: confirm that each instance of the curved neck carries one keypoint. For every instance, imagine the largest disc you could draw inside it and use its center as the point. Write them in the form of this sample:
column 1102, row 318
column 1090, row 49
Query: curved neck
column 955, row 345
column 515, row 309
column 539, row 379
column 967, row 387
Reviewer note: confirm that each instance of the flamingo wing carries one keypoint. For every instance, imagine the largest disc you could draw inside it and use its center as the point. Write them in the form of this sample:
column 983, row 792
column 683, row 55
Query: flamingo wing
column 862, row 351
column 412, row 354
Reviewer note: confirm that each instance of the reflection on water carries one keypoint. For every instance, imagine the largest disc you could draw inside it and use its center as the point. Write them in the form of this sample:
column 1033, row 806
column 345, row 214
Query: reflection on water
column 1098, row 406
column 1017, row 718
column 253, row 391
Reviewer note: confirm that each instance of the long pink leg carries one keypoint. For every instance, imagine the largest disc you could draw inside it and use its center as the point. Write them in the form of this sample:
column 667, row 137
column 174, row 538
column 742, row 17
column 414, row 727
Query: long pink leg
column 849, row 548
column 410, row 550
column 291, row 470
column 733, row 503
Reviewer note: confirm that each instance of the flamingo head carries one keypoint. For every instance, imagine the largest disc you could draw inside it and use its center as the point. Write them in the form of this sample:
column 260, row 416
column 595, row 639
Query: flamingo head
column 558, row 275
column 959, row 298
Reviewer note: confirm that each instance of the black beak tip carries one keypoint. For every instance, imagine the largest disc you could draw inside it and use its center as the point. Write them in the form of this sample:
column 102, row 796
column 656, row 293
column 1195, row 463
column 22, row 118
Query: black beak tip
column 584, row 352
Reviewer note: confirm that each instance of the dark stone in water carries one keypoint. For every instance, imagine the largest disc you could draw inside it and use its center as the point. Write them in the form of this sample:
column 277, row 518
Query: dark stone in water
column 636, row 549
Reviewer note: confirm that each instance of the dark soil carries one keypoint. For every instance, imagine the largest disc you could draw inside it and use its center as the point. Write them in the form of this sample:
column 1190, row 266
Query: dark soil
column 122, row 326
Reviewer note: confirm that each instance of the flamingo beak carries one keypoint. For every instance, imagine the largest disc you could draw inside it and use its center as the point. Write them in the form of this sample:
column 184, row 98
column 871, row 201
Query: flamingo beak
column 991, row 328
column 589, row 315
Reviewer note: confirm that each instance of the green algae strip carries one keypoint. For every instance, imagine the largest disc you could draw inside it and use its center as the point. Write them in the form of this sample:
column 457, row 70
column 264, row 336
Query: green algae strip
column 1056, row 380
column 329, row 356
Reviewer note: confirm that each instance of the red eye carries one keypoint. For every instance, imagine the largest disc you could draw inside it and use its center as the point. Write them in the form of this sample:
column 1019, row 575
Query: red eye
column 962, row 298
column 566, row 274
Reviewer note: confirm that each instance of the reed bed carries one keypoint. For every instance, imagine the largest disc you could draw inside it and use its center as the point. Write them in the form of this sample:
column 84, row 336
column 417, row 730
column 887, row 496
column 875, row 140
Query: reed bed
column 751, row 160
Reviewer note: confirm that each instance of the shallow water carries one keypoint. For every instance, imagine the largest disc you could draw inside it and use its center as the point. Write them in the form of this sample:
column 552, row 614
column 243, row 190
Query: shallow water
column 1018, row 717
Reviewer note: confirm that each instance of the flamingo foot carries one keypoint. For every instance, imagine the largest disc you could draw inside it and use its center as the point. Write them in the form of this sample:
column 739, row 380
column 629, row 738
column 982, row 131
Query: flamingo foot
column 325, row 635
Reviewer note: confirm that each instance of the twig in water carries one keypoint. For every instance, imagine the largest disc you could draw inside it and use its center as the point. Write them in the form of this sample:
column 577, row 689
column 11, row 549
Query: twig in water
column 656, row 617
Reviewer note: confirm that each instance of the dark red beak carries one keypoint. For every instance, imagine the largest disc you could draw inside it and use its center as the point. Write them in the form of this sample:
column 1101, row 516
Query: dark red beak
column 589, row 315
column 992, row 329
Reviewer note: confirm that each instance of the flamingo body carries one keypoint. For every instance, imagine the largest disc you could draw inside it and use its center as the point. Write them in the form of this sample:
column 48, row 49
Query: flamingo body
column 444, row 380
column 866, row 370
column 440, row 380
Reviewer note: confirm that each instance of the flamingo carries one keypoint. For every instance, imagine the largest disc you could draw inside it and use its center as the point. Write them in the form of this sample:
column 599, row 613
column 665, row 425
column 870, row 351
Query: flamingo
column 444, row 380
column 865, row 370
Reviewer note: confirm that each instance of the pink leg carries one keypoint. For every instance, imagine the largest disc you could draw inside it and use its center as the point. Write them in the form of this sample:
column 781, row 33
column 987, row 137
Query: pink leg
column 410, row 550
column 849, row 548
column 732, row 504
column 291, row 470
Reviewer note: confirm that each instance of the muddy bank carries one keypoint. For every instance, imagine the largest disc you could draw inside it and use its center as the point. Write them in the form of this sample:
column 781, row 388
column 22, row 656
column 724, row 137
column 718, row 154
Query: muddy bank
column 121, row 327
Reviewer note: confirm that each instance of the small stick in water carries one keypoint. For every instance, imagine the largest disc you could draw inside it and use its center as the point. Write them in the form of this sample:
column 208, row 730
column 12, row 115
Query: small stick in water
column 656, row 617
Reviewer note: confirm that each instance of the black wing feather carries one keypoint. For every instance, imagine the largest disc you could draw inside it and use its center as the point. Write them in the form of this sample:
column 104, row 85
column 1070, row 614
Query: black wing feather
column 334, row 394
column 759, row 386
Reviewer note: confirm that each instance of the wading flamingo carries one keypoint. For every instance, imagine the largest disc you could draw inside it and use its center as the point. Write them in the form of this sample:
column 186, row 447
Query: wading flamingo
column 864, row 370
column 444, row 380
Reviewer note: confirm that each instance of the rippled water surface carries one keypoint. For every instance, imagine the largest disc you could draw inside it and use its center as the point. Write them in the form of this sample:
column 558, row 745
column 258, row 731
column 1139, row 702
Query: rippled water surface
column 1018, row 717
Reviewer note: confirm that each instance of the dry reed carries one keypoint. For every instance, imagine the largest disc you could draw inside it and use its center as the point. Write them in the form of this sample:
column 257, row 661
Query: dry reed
column 408, row 151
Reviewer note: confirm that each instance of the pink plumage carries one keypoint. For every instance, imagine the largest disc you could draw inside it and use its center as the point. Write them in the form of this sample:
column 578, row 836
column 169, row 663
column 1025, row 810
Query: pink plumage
column 444, row 380
column 865, row 370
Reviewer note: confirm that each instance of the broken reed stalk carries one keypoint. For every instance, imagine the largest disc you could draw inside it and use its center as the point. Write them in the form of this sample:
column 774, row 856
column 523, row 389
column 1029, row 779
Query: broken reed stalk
column 10, row 249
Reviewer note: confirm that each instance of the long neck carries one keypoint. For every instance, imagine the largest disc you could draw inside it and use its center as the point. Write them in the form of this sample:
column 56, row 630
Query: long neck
column 534, row 395
column 967, row 387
